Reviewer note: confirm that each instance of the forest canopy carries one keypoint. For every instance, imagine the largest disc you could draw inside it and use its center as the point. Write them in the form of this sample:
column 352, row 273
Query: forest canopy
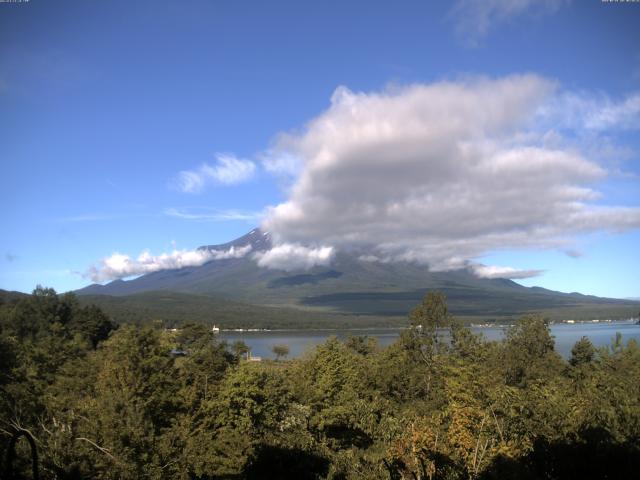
column 439, row 403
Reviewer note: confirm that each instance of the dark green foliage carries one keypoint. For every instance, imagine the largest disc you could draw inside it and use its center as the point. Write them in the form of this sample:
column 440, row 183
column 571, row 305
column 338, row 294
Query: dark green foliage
column 92, row 323
column 363, row 345
column 582, row 353
column 529, row 351
column 440, row 403
column 240, row 349
column 275, row 463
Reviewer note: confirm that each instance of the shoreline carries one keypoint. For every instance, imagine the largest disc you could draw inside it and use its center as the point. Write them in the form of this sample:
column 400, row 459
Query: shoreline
column 627, row 321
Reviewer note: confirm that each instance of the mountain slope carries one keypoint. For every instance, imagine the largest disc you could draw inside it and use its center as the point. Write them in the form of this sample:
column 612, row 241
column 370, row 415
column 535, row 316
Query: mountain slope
column 173, row 308
column 353, row 286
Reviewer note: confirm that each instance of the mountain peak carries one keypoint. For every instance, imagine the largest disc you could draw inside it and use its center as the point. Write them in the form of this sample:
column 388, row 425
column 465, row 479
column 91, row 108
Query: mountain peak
column 259, row 241
column 355, row 287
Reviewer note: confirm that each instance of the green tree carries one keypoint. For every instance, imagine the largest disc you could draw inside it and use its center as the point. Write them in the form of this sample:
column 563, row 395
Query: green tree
column 252, row 399
column 280, row 351
column 193, row 336
column 428, row 320
column 431, row 313
column 529, row 351
column 92, row 323
column 336, row 385
column 415, row 362
column 364, row 345
column 239, row 348
column 583, row 352
column 134, row 404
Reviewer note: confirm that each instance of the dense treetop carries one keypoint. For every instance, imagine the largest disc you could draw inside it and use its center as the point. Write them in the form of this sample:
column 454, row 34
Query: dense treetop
column 440, row 403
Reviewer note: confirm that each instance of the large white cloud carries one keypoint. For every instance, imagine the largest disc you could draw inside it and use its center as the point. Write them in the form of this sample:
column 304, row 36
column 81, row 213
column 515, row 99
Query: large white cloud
column 441, row 174
column 228, row 170
column 121, row 266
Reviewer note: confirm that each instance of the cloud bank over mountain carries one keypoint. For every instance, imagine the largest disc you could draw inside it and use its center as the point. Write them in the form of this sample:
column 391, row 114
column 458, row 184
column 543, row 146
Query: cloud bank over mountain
column 495, row 271
column 438, row 174
column 444, row 173
column 121, row 266
column 290, row 257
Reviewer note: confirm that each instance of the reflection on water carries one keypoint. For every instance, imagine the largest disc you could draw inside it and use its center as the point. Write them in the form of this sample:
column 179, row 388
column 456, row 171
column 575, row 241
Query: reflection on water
column 300, row 341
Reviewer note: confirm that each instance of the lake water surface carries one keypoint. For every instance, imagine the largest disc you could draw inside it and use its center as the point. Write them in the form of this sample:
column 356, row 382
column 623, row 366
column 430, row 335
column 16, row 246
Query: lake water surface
column 300, row 341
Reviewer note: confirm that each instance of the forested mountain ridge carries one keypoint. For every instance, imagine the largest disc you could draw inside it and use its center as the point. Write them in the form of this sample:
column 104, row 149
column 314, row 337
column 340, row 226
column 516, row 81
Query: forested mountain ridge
column 173, row 308
column 354, row 286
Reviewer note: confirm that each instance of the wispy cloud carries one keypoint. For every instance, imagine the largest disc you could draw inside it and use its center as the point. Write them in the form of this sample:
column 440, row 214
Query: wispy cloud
column 475, row 18
column 586, row 112
column 208, row 215
column 278, row 162
column 228, row 170
column 122, row 266
column 573, row 253
column 495, row 271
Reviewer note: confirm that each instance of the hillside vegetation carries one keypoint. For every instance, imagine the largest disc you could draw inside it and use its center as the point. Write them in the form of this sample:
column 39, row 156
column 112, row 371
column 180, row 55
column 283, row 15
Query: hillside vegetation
column 114, row 403
column 173, row 308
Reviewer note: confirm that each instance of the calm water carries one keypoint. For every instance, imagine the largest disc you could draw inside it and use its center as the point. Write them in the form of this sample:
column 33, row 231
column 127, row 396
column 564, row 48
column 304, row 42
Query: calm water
column 299, row 341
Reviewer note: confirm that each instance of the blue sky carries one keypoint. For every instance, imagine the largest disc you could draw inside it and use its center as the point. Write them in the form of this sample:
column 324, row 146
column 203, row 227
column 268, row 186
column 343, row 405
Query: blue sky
column 110, row 111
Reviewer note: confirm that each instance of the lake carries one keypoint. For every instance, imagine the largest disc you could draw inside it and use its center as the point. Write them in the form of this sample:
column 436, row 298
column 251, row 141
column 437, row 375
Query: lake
column 300, row 341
